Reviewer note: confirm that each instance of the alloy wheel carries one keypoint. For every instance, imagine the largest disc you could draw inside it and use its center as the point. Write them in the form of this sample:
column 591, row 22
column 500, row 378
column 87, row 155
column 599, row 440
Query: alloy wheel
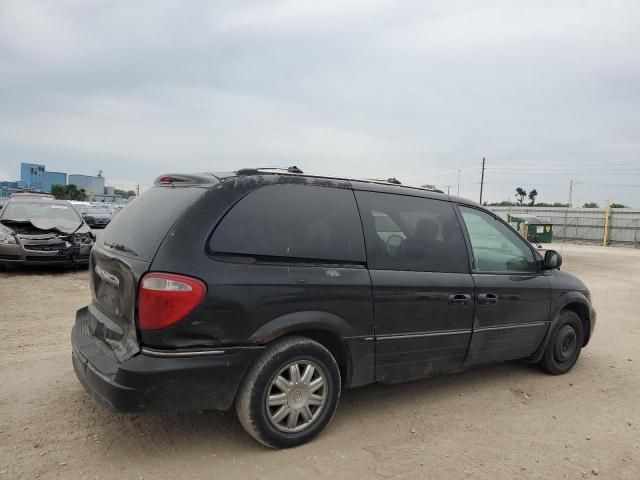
column 296, row 396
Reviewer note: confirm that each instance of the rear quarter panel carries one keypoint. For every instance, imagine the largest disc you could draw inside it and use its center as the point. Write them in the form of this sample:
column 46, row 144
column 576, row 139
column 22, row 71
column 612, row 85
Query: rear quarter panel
column 243, row 297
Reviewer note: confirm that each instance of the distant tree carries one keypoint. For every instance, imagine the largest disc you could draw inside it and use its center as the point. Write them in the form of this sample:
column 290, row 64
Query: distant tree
column 591, row 205
column 532, row 197
column 68, row 192
column 59, row 191
column 504, row 203
column 618, row 205
column 521, row 194
column 74, row 194
column 556, row 204
column 429, row 186
column 124, row 193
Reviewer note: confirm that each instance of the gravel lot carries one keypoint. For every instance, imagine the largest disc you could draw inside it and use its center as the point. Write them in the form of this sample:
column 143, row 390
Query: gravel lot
column 502, row 421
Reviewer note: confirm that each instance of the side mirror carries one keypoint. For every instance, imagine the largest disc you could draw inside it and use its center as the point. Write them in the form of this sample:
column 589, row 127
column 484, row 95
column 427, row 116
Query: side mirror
column 552, row 260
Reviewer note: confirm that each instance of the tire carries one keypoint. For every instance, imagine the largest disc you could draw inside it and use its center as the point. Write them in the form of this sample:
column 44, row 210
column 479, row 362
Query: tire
column 273, row 425
column 565, row 344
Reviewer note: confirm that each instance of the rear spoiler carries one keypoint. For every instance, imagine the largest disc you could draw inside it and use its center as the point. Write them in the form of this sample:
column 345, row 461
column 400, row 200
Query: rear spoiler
column 185, row 180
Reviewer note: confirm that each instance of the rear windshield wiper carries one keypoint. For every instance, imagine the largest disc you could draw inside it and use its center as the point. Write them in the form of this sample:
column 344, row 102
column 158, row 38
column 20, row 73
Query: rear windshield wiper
column 121, row 247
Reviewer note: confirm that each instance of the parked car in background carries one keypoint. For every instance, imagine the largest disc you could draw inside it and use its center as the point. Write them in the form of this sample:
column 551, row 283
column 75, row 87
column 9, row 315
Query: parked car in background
column 31, row 194
column 97, row 217
column 80, row 206
column 117, row 209
column 275, row 290
column 39, row 230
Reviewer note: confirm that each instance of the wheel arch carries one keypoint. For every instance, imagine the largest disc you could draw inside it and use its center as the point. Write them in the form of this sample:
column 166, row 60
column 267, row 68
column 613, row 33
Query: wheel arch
column 577, row 303
column 582, row 310
column 330, row 331
column 334, row 344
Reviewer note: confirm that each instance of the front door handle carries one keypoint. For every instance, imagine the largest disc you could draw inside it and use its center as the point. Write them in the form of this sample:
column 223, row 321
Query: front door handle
column 459, row 299
column 487, row 298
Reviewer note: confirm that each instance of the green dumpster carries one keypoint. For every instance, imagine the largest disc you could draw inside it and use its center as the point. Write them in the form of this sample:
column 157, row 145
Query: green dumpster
column 533, row 228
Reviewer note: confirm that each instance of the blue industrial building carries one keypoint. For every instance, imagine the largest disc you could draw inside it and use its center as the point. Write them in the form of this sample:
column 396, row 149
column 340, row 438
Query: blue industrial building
column 35, row 177
column 7, row 188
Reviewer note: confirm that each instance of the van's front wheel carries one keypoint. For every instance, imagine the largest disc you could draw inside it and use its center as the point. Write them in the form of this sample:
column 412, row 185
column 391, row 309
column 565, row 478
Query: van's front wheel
column 564, row 345
column 290, row 393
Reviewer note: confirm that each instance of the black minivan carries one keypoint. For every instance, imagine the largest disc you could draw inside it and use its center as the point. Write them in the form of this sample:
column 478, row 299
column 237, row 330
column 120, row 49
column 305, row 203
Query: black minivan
column 274, row 290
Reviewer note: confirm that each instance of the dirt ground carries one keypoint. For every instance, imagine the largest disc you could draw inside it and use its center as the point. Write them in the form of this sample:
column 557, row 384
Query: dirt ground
column 498, row 422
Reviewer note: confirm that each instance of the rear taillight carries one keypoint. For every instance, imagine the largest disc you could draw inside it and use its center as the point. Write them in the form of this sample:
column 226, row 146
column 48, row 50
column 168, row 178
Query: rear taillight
column 165, row 299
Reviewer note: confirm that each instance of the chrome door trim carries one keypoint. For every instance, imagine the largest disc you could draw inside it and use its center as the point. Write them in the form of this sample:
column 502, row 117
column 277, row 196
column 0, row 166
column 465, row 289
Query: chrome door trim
column 510, row 326
column 173, row 354
column 438, row 333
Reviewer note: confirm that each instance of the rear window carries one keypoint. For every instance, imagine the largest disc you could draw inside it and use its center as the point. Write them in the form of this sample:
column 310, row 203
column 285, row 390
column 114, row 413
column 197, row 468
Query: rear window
column 142, row 225
column 293, row 221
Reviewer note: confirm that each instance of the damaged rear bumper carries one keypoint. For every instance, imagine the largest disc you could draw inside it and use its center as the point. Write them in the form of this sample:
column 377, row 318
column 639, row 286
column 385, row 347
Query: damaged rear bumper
column 158, row 380
column 16, row 254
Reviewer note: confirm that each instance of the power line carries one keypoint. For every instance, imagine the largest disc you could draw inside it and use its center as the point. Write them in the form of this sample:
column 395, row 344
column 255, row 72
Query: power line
column 439, row 174
column 525, row 172
column 586, row 184
column 414, row 173
column 588, row 169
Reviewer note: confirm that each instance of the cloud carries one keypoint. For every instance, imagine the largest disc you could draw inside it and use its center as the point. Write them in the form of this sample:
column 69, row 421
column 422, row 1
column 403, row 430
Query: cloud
column 546, row 91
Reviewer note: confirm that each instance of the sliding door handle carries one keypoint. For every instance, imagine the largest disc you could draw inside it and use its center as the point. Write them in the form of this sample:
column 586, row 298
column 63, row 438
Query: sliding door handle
column 487, row 298
column 459, row 299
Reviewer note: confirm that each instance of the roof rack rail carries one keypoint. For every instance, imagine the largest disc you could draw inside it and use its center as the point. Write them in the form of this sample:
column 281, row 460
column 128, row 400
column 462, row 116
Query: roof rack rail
column 256, row 171
column 295, row 170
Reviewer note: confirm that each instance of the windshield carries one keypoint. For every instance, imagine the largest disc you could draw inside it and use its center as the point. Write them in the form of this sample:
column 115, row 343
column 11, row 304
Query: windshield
column 42, row 215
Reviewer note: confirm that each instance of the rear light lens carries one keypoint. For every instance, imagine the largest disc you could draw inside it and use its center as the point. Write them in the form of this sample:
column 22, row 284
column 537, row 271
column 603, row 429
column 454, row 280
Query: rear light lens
column 166, row 180
column 165, row 299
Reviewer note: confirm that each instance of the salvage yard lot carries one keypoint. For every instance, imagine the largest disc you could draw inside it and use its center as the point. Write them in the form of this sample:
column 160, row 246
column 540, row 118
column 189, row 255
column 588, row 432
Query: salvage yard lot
column 500, row 421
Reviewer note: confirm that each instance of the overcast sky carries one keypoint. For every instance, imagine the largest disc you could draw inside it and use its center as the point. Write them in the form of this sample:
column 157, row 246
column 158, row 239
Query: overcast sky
column 546, row 91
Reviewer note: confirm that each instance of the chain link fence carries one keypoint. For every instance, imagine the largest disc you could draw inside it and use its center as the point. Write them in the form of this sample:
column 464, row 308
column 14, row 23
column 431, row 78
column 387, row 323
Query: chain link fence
column 585, row 225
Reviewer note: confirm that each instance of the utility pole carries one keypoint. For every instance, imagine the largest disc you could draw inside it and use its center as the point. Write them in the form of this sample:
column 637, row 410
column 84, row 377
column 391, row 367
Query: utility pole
column 138, row 190
column 459, row 182
column 482, row 181
column 570, row 192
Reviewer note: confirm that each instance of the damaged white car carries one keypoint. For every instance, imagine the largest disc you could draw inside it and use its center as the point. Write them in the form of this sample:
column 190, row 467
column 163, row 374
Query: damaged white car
column 36, row 231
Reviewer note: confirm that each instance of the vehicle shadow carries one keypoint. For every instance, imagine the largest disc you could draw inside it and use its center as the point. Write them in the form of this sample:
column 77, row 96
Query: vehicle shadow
column 219, row 432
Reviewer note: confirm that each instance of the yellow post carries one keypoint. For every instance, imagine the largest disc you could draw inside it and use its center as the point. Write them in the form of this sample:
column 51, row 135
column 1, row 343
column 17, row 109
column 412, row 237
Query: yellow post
column 607, row 216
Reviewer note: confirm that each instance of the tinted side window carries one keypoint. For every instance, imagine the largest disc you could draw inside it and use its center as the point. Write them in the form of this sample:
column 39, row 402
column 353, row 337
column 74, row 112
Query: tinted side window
column 496, row 248
column 295, row 221
column 411, row 233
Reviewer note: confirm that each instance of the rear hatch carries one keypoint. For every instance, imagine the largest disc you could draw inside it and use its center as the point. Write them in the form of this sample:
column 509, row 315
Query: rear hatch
column 122, row 255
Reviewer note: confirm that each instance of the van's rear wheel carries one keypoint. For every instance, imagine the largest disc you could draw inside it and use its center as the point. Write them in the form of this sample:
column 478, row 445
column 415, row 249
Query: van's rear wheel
column 565, row 344
column 290, row 393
